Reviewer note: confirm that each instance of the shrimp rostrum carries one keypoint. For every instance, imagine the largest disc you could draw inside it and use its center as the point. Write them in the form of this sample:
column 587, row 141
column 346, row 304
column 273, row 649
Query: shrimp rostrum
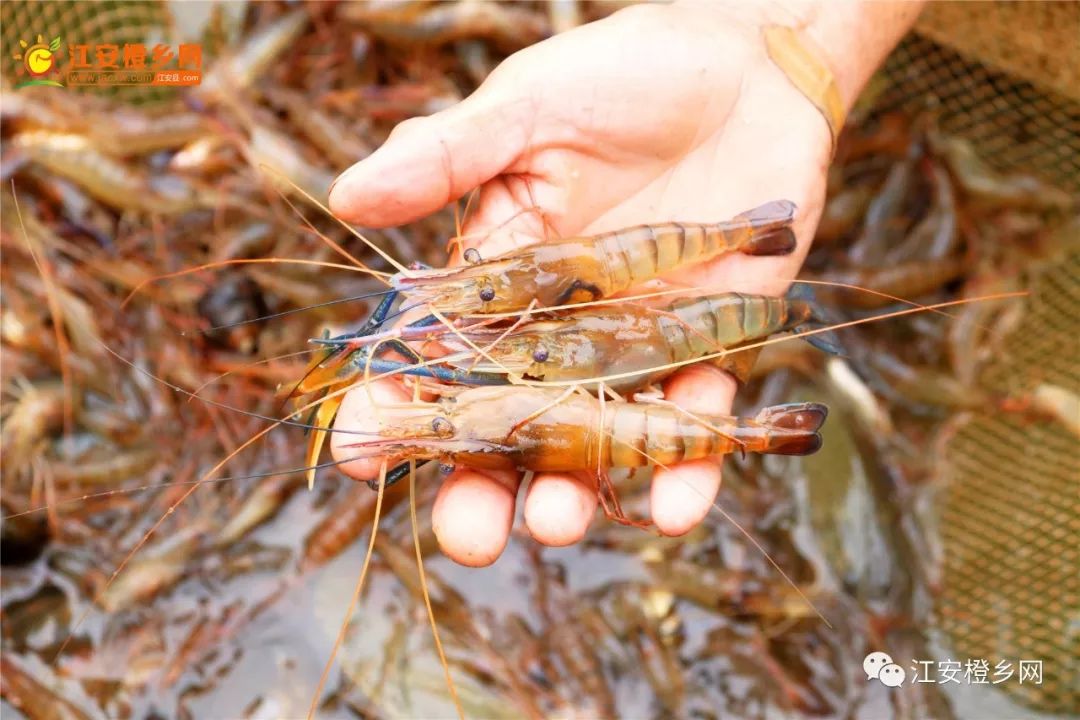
column 546, row 429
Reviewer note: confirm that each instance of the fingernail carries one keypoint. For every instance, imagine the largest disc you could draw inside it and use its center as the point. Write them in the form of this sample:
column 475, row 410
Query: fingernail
column 341, row 177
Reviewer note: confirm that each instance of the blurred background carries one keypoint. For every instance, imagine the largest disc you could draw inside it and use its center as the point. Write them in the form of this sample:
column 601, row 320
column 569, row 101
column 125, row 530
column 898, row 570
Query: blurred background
column 940, row 522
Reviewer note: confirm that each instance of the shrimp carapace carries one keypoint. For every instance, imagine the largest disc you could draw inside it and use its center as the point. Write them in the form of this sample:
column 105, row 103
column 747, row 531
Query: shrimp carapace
column 545, row 429
column 582, row 269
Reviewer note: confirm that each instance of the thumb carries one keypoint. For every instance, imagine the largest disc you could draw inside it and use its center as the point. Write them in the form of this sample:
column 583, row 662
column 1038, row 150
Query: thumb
column 431, row 161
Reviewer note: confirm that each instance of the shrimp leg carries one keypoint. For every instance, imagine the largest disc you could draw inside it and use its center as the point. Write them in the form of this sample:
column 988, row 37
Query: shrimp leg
column 370, row 328
column 398, row 473
column 826, row 342
column 339, row 344
column 375, row 321
column 372, row 324
column 457, row 376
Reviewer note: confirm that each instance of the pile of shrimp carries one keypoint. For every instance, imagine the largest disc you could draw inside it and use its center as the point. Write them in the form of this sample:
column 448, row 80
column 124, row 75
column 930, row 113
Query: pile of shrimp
column 150, row 324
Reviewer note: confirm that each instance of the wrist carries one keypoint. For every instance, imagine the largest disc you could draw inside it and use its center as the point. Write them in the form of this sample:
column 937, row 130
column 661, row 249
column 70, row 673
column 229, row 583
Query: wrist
column 855, row 38
column 851, row 37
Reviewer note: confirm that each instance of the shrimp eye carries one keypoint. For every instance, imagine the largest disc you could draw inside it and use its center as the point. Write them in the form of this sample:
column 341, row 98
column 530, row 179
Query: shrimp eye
column 442, row 426
column 540, row 354
column 487, row 293
column 446, row 468
column 472, row 256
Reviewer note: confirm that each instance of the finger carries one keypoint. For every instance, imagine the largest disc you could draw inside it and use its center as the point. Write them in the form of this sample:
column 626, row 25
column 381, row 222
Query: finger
column 431, row 161
column 359, row 413
column 559, row 508
column 683, row 494
column 473, row 514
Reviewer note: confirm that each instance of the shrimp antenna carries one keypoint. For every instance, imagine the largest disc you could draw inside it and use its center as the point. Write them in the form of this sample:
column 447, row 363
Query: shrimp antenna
column 382, row 253
column 746, row 533
column 424, row 586
column 352, row 339
column 293, row 311
column 223, row 406
column 56, row 313
column 355, row 596
column 155, row 486
column 247, row 261
column 264, row 361
column 187, row 493
column 321, row 235
column 771, row 341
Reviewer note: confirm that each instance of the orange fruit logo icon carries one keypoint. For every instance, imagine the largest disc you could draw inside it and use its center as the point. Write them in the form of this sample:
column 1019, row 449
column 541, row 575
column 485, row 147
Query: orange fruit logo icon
column 39, row 59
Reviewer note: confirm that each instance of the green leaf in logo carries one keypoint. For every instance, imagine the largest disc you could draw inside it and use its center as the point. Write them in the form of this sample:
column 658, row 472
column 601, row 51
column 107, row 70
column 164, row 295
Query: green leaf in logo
column 55, row 44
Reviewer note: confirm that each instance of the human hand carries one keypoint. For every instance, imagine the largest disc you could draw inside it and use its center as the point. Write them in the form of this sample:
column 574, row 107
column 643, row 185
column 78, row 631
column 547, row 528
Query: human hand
column 657, row 113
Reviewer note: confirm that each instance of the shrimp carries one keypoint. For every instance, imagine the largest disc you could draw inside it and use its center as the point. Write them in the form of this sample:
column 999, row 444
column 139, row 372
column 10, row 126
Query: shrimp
column 251, row 61
column 342, row 143
column 505, row 24
column 985, row 185
column 630, row 345
column 111, row 181
column 127, row 132
column 582, row 269
column 546, row 429
column 623, row 339
column 37, row 693
column 909, row 279
column 116, row 130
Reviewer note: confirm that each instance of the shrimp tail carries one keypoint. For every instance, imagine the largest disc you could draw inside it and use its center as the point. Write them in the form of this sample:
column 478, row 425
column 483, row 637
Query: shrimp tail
column 793, row 428
column 818, row 317
column 770, row 228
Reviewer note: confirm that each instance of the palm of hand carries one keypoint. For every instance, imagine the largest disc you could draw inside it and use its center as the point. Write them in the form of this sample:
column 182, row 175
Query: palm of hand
column 662, row 116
